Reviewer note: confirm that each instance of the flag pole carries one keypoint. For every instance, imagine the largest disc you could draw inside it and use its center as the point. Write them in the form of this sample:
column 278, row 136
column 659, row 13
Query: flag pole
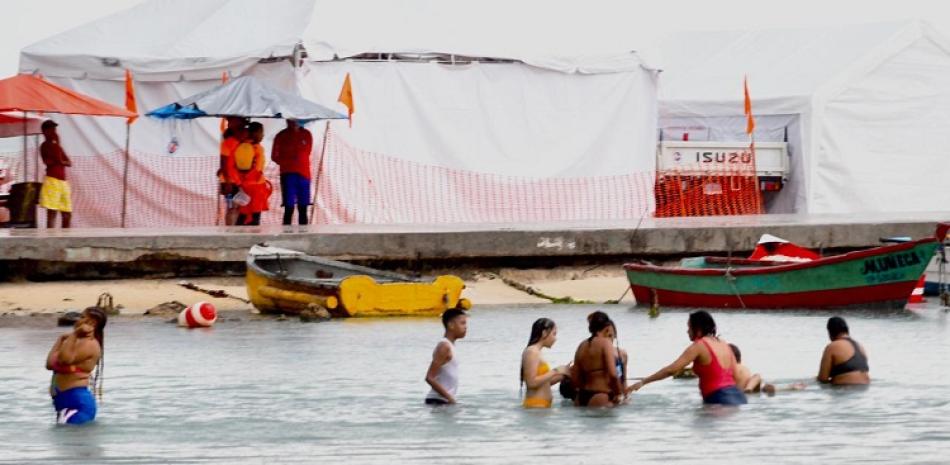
column 316, row 180
column 125, row 172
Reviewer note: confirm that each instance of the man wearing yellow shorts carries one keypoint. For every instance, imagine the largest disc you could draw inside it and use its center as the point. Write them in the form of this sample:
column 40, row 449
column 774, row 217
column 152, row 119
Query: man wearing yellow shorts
column 55, row 195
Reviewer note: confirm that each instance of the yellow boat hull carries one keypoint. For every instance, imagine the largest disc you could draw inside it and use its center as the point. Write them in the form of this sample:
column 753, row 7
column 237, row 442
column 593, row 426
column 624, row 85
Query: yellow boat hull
column 357, row 296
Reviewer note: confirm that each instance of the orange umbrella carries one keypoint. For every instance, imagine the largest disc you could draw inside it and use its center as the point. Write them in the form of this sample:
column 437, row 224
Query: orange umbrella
column 28, row 93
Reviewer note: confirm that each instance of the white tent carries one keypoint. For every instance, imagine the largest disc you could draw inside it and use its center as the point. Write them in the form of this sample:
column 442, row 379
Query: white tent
column 562, row 101
column 866, row 109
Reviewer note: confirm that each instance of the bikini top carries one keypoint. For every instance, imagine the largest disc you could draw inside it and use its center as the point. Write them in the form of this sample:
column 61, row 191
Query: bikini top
column 543, row 368
column 857, row 362
column 61, row 369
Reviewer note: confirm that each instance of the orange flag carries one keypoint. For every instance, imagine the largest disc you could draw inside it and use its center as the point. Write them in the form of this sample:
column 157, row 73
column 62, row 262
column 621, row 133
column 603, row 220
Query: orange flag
column 346, row 98
column 224, row 121
column 130, row 96
column 750, row 121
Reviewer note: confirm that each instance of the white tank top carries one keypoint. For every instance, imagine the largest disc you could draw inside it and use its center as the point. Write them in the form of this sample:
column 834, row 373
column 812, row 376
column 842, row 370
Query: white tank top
column 448, row 375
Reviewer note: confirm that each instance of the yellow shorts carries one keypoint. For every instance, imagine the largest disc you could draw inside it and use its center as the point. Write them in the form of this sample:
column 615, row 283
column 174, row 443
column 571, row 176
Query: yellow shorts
column 55, row 195
column 534, row 402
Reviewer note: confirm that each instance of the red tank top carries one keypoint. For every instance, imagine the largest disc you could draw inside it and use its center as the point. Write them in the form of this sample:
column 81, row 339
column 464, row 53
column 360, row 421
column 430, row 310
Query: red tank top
column 712, row 377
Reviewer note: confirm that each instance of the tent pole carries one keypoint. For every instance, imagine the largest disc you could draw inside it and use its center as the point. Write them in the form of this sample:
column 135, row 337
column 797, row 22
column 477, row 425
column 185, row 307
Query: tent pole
column 316, row 181
column 125, row 171
column 36, row 159
column 25, row 138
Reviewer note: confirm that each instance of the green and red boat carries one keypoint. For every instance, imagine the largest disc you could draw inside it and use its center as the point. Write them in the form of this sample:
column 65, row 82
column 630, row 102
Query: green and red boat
column 880, row 277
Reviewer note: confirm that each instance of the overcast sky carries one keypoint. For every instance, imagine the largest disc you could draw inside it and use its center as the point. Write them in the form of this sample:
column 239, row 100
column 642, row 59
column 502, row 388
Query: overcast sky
column 34, row 20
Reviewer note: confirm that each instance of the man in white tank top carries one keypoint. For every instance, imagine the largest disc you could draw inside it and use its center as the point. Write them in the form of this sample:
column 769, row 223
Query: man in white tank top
column 443, row 371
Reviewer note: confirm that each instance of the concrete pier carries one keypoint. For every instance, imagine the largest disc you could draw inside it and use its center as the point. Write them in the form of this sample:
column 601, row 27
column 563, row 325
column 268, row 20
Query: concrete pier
column 634, row 238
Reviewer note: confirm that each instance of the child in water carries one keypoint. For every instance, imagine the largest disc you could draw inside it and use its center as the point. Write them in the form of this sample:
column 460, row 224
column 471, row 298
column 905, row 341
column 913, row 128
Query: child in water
column 752, row 383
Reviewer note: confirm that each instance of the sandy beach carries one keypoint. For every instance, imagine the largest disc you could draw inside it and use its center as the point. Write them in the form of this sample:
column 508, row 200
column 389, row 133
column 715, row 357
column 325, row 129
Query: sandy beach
column 136, row 296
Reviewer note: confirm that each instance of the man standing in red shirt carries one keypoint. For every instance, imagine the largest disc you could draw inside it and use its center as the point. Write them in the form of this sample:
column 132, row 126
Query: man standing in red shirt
column 291, row 152
column 55, row 195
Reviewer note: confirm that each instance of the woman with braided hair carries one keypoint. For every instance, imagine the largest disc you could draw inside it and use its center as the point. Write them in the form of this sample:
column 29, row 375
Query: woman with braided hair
column 77, row 363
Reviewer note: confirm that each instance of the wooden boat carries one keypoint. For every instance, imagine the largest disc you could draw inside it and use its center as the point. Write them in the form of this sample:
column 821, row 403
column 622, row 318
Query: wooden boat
column 880, row 277
column 287, row 281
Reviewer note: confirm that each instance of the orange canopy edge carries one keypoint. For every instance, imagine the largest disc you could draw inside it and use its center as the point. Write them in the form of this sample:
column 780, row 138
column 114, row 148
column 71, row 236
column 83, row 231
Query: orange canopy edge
column 25, row 92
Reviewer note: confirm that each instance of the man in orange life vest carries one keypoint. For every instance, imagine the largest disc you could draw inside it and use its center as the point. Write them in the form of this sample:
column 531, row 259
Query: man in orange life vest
column 291, row 151
column 248, row 164
column 227, row 178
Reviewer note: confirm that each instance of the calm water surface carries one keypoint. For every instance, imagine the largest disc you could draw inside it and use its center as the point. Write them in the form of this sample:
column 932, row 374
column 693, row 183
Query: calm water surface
column 285, row 392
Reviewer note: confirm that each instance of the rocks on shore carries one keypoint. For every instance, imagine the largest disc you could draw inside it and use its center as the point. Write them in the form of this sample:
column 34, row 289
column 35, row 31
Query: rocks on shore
column 314, row 314
column 166, row 309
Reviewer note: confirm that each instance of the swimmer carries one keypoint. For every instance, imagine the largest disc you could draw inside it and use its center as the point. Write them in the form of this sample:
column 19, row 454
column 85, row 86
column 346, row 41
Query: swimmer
column 621, row 360
column 443, row 371
column 594, row 372
column 75, row 358
column 844, row 361
column 535, row 372
column 713, row 363
column 745, row 380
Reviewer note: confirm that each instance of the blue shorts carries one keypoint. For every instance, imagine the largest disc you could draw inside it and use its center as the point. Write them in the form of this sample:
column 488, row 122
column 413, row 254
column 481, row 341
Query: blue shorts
column 729, row 395
column 294, row 189
column 74, row 406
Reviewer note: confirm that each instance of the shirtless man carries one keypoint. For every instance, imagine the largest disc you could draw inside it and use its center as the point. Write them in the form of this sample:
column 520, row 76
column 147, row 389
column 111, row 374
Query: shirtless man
column 442, row 375
column 594, row 371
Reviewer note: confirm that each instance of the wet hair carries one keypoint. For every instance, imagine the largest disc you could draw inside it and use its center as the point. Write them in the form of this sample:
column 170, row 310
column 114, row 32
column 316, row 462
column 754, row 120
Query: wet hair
column 101, row 318
column 596, row 322
column 566, row 388
column 836, row 326
column 450, row 315
column 736, row 352
column 702, row 322
column 540, row 326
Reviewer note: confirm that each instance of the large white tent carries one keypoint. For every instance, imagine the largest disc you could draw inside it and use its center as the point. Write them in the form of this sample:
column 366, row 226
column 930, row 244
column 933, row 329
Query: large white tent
column 510, row 91
column 865, row 109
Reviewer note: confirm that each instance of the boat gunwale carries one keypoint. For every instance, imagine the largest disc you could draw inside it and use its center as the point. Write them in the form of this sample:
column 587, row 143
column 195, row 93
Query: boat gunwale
column 782, row 268
column 379, row 276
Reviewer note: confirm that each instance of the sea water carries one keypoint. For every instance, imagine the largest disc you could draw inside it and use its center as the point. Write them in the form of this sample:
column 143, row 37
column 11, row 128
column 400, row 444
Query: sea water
column 351, row 391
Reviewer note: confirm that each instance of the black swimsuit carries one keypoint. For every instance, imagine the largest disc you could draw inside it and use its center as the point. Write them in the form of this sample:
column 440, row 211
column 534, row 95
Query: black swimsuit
column 857, row 362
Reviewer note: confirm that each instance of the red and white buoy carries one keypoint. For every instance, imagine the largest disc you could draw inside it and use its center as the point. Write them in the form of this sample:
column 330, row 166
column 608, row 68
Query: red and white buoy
column 917, row 296
column 199, row 315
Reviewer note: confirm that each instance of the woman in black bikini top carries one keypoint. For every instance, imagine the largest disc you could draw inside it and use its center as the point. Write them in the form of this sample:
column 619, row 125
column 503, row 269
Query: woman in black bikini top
column 844, row 361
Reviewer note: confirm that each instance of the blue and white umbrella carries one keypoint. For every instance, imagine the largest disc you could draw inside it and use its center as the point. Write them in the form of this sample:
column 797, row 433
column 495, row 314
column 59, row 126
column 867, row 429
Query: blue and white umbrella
column 246, row 97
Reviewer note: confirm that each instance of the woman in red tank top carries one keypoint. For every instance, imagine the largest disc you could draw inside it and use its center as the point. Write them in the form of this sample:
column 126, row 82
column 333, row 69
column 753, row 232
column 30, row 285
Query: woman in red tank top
column 713, row 362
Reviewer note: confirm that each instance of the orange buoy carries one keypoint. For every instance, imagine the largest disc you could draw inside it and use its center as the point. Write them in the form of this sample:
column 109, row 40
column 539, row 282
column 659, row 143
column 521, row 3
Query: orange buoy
column 199, row 315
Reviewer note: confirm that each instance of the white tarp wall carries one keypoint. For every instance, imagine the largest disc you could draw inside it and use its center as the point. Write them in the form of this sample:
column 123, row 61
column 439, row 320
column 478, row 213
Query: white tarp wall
column 868, row 101
column 509, row 119
column 583, row 117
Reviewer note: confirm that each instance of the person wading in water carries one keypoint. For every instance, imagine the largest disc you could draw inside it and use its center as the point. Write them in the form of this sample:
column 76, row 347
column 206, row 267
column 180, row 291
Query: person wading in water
column 442, row 375
column 75, row 358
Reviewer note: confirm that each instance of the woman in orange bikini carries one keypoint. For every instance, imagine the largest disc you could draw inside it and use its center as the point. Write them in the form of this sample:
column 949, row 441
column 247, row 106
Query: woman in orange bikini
column 536, row 374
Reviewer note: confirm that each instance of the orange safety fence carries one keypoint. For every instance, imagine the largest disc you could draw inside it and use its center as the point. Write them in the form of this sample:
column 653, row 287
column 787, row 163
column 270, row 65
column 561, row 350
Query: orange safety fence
column 713, row 193
column 358, row 186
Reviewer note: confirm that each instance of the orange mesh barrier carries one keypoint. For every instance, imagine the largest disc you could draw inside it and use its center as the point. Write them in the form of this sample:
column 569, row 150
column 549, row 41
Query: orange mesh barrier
column 710, row 194
column 357, row 186
column 353, row 186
